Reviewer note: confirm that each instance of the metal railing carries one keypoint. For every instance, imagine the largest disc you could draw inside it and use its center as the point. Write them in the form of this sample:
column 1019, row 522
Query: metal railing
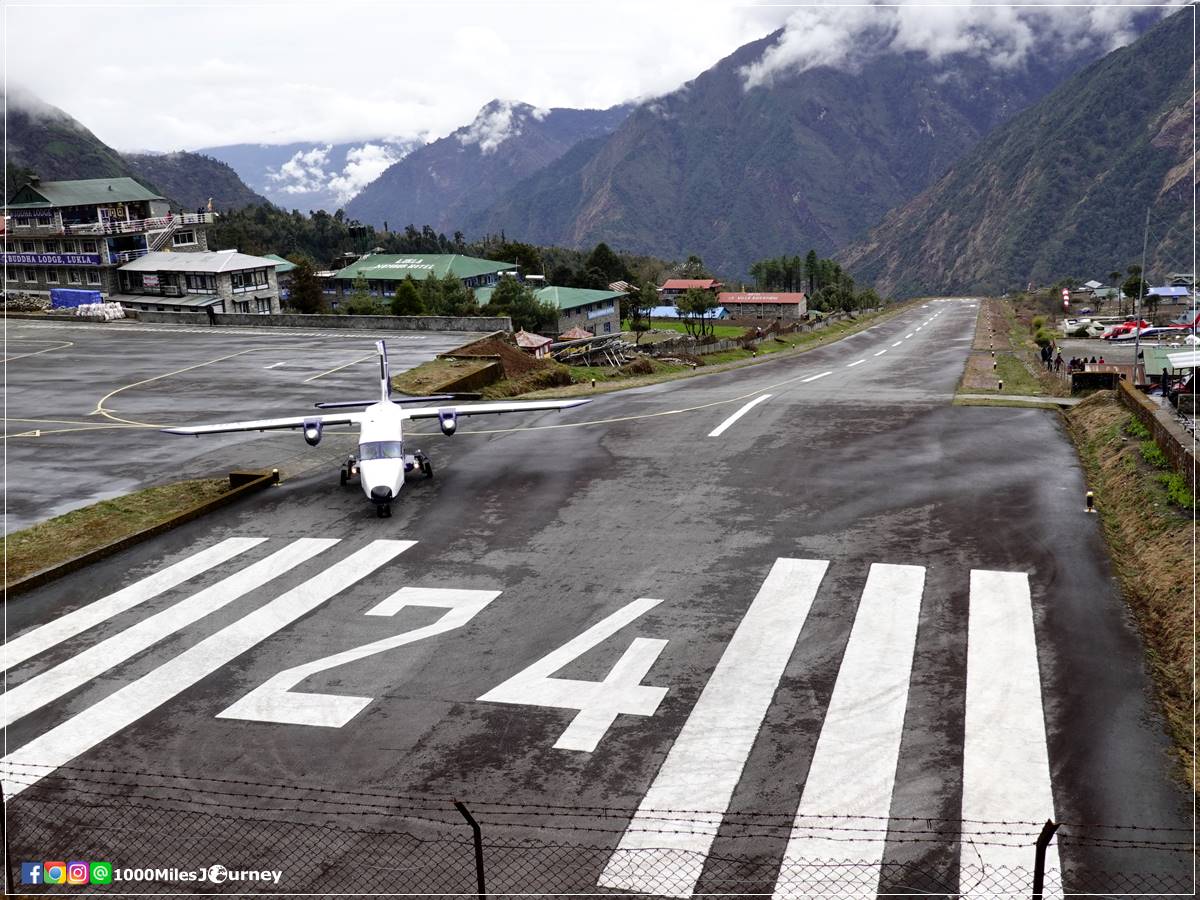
column 136, row 226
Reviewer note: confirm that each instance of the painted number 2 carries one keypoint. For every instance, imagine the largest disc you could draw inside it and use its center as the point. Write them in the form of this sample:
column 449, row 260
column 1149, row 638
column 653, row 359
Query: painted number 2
column 599, row 702
column 276, row 699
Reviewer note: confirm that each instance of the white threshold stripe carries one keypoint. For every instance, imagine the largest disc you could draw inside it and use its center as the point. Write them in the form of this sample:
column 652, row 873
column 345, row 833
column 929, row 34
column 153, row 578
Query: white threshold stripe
column 815, row 377
column 720, row 429
column 853, row 771
column 1006, row 768
column 99, row 658
column 100, row 721
column 881, row 352
column 858, row 363
column 42, row 638
column 705, row 763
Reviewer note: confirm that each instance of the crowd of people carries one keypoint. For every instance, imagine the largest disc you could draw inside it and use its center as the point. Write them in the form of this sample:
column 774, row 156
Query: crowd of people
column 1052, row 359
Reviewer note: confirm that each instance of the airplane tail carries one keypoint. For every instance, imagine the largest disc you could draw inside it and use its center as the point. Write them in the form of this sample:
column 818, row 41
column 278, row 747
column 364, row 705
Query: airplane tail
column 385, row 375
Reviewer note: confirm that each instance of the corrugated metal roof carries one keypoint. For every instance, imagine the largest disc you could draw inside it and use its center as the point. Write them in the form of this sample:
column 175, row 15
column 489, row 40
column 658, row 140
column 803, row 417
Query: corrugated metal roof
column 572, row 298
column 210, row 262
column 282, row 265
column 87, row 192
column 525, row 339
column 785, row 298
column 397, row 267
column 682, row 284
column 1186, row 360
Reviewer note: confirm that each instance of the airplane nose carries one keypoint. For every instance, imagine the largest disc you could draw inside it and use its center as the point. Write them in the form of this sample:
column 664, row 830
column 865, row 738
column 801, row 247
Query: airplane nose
column 381, row 493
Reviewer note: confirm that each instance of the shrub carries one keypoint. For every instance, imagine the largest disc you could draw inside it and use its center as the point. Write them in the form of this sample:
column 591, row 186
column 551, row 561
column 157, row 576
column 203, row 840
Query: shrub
column 1177, row 490
column 639, row 366
column 1154, row 456
column 1042, row 337
column 1136, row 429
column 1037, row 323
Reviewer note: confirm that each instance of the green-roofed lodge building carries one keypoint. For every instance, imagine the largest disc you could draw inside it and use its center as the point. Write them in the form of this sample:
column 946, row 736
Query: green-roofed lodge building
column 76, row 234
column 384, row 271
column 596, row 311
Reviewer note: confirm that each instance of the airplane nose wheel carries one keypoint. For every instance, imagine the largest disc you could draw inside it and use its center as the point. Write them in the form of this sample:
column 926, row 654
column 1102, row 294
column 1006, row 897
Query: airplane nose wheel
column 384, row 511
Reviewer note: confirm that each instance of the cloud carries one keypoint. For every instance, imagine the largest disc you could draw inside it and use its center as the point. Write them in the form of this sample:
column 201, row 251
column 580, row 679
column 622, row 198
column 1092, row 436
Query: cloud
column 304, row 173
column 363, row 165
column 494, row 125
column 844, row 37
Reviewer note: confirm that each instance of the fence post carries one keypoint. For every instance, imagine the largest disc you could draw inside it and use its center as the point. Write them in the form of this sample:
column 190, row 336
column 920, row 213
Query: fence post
column 1039, row 859
column 8, row 877
column 478, row 838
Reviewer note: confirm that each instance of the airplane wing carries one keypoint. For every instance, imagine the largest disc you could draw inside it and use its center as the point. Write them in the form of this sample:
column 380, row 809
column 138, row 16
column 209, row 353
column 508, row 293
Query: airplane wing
column 268, row 424
column 478, row 409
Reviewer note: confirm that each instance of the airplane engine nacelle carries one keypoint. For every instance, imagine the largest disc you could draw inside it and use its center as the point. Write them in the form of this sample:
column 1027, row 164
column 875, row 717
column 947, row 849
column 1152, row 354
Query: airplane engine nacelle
column 312, row 432
column 448, row 420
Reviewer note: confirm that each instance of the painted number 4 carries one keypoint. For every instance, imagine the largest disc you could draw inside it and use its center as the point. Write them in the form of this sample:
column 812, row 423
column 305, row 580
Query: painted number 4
column 599, row 702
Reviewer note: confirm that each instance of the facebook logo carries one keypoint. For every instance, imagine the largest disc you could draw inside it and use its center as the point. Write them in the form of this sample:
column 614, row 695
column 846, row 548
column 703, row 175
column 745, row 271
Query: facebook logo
column 31, row 873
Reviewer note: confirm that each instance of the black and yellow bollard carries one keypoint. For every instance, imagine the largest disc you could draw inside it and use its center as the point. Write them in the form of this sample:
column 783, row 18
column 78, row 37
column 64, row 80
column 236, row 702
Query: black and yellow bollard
column 1090, row 499
column 1001, row 385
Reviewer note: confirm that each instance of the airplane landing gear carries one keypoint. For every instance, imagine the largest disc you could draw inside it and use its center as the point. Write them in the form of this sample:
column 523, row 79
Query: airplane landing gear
column 349, row 470
column 383, row 511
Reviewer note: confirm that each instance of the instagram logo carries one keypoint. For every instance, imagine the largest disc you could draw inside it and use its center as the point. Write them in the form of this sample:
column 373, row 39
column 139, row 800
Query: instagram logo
column 77, row 873
column 55, row 872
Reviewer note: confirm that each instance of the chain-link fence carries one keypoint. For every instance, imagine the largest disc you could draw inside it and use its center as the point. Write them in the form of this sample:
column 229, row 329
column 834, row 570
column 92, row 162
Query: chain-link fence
column 171, row 834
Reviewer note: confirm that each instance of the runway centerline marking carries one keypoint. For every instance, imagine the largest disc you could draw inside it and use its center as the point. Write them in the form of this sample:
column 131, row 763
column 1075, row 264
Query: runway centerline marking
column 717, row 737
column 907, row 336
column 815, row 377
column 100, row 721
column 881, row 352
column 856, row 363
column 898, row 343
column 853, row 770
column 720, row 429
column 42, row 638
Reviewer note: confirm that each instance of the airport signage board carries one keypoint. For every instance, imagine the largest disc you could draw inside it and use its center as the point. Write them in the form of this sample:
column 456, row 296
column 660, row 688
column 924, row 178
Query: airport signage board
column 52, row 259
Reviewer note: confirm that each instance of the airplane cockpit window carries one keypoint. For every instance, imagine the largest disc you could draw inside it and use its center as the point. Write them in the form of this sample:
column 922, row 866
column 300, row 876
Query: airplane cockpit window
column 380, row 450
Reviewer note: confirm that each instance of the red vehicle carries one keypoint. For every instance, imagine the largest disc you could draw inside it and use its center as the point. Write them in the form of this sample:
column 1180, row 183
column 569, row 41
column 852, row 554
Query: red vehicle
column 1125, row 328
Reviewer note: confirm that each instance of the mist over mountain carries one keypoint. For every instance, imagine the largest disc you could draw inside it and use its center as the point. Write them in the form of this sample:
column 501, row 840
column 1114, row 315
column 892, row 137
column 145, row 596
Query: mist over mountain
column 448, row 182
column 1063, row 188
column 741, row 163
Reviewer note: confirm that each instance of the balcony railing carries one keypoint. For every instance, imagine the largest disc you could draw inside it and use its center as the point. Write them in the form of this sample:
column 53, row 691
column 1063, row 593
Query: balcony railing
column 121, row 226
column 127, row 255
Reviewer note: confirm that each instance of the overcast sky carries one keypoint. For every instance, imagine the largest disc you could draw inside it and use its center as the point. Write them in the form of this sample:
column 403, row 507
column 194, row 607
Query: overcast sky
column 164, row 75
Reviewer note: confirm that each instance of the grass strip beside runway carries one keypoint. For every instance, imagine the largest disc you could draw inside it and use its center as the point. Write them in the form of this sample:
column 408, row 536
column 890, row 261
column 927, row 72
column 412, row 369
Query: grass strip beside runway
column 1151, row 538
column 82, row 530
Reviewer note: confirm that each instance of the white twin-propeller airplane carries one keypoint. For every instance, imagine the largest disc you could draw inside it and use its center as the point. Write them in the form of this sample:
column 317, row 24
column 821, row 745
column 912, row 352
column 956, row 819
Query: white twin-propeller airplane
column 380, row 462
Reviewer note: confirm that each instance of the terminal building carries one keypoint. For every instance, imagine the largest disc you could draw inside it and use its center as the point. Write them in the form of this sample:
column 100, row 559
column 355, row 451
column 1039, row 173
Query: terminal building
column 598, row 312
column 761, row 305
column 77, row 234
column 225, row 280
column 384, row 271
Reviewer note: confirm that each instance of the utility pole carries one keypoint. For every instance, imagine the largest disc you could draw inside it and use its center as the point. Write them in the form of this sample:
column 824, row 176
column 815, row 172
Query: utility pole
column 1137, row 313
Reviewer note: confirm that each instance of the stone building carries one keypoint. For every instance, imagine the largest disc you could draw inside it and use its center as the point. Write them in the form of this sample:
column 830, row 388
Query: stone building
column 225, row 280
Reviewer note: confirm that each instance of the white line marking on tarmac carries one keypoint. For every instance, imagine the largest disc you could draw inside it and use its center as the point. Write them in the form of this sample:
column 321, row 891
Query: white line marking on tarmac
column 353, row 362
column 898, row 343
column 857, row 363
column 720, row 429
column 1006, row 768
column 100, row 721
column 83, row 667
column 815, row 377
column 33, row 642
column 853, row 770
column 907, row 336
column 598, row 702
column 705, row 763
column 275, row 365
column 277, row 700
column 881, row 352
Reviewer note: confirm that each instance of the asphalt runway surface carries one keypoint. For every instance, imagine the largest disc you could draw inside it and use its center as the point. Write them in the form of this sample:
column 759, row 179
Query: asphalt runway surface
column 78, row 396
column 842, row 639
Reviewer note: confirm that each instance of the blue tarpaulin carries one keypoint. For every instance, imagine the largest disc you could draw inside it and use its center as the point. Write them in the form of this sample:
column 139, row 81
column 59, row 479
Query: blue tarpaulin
column 68, row 298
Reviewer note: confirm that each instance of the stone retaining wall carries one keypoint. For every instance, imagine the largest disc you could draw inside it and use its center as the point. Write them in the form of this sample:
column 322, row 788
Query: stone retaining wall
column 361, row 323
column 1174, row 441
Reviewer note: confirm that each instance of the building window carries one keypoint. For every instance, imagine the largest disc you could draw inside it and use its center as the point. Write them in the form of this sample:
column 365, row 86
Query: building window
column 50, row 246
column 31, row 276
column 12, row 274
column 69, row 247
column 183, row 238
column 201, row 283
column 241, row 306
column 22, row 222
column 93, row 277
column 89, row 246
column 262, row 306
column 27, row 247
column 248, row 280
column 51, row 276
column 74, row 277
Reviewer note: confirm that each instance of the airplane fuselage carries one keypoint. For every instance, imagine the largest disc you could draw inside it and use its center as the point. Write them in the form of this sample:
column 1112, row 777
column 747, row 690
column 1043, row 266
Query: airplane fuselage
column 381, row 461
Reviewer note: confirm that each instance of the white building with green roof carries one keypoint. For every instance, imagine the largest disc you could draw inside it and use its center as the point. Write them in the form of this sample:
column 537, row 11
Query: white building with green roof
column 596, row 311
column 383, row 271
